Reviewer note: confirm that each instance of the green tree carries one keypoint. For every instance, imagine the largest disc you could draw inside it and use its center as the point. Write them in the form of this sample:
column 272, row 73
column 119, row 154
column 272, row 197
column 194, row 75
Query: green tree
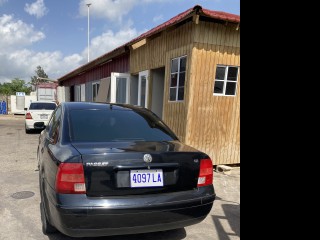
column 16, row 85
column 39, row 73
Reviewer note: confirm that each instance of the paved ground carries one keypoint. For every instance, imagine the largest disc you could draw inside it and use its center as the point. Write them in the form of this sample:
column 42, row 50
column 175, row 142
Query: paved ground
column 20, row 218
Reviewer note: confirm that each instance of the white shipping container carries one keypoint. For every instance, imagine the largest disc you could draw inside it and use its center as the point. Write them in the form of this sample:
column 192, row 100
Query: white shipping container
column 46, row 94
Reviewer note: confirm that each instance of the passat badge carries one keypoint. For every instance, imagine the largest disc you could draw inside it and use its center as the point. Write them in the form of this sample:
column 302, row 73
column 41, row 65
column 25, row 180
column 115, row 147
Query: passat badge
column 147, row 158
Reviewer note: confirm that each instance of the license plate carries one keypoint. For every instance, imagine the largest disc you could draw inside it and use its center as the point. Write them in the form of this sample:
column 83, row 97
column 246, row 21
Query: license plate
column 43, row 116
column 146, row 178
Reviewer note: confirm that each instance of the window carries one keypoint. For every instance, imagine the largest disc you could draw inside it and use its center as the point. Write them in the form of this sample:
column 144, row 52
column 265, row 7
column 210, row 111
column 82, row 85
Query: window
column 117, row 125
column 53, row 126
column 226, row 80
column 177, row 78
column 42, row 106
column 120, row 88
column 121, row 92
column 95, row 90
column 77, row 93
column 143, row 91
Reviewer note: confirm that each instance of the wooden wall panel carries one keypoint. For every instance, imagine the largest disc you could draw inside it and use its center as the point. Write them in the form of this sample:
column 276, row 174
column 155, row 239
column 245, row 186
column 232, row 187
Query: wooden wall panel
column 218, row 34
column 152, row 55
column 175, row 113
column 206, row 122
column 213, row 121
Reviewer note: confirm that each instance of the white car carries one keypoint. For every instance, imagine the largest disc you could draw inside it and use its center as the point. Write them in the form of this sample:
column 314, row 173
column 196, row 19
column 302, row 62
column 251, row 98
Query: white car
column 38, row 115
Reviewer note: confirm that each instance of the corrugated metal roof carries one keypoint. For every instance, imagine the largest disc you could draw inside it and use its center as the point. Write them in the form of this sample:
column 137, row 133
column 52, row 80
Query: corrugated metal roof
column 182, row 16
column 222, row 15
column 205, row 12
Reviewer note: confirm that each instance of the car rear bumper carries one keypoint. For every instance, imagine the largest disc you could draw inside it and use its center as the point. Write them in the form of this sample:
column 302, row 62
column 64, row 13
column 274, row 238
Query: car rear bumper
column 32, row 124
column 81, row 216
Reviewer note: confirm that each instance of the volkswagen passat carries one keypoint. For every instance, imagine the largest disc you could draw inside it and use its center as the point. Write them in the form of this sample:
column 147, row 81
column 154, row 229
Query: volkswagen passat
column 107, row 169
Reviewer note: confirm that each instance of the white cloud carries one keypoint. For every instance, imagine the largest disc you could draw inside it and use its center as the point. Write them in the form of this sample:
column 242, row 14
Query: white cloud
column 158, row 18
column 113, row 10
column 23, row 63
column 109, row 41
column 37, row 8
column 16, row 34
column 3, row 2
column 18, row 61
column 109, row 9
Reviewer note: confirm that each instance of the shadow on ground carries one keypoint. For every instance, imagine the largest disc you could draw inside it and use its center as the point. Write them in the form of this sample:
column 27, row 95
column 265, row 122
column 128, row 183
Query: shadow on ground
column 232, row 216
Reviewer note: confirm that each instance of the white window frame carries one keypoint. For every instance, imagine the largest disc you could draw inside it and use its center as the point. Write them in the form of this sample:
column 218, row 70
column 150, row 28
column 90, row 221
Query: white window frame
column 83, row 92
column 178, row 79
column 113, row 91
column 225, row 81
column 96, row 93
column 146, row 75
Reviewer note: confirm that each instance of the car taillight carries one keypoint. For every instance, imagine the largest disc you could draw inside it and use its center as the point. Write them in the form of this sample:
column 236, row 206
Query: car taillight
column 206, row 173
column 28, row 116
column 70, row 178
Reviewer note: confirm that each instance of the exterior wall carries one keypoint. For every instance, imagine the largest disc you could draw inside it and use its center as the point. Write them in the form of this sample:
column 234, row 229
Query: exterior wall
column 157, row 53
column 13, row 103
column 119, row 64
column 153, row 54
column 206, row 122
column 213, row 124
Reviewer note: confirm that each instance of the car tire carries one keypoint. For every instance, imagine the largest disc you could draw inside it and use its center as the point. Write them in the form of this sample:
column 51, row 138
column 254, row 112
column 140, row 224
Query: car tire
column 27, row 130
column 47, row 228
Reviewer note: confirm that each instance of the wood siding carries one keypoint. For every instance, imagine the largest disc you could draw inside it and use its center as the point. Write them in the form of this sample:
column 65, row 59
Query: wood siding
column 158, row 52
column 153, row 54
column 213, row 124
column 207, row 122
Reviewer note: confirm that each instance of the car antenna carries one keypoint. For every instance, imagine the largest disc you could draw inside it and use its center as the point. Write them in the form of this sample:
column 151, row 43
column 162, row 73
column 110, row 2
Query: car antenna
column 110, row 105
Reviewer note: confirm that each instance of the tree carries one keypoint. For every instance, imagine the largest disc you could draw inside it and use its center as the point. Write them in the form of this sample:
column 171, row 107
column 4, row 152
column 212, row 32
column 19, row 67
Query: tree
column 40, row 73
column 16, row 85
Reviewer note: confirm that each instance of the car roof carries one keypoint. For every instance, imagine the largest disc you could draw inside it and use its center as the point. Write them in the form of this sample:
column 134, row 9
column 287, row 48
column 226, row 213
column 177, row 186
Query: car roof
column 100, row 106
column 43, row 102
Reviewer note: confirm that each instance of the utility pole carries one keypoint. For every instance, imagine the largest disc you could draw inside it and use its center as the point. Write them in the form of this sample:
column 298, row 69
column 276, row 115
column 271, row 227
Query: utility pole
column 88, row 4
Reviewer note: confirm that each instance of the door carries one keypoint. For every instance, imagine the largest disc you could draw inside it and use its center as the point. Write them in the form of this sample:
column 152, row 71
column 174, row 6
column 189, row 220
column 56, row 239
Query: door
column 120, row 88
column 157, row 89
column 83, row 92
column 143, row 89
column 77, row 93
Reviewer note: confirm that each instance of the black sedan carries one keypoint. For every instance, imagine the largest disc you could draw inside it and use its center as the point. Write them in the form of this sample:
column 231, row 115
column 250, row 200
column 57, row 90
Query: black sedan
column 109, row 169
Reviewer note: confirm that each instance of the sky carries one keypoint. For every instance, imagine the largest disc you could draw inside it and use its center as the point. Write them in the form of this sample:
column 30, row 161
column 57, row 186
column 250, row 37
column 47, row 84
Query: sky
column 53, row 34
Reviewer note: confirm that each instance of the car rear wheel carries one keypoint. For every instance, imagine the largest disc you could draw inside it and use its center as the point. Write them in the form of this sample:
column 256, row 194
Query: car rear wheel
column 47, row 228
column 27, row 130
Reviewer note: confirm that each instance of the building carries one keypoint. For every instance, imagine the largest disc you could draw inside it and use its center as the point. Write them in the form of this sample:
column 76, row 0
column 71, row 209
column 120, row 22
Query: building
column 186, row 70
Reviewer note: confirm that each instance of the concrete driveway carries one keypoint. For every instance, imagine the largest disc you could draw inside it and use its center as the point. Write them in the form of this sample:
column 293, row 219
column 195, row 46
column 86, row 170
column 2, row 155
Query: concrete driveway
column 19, row 195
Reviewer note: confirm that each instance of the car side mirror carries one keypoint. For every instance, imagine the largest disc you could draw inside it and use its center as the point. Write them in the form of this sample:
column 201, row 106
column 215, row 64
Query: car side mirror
column 25, row 109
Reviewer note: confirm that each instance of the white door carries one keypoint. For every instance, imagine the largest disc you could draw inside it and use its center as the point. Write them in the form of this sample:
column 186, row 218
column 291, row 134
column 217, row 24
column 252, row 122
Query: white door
column 143, row 89
column 120, row 88
column 77, row 93
column 83, row 92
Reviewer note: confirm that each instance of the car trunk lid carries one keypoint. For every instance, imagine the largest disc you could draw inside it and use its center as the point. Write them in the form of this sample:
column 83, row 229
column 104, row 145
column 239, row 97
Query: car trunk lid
column 137, row 167
column 40, row 115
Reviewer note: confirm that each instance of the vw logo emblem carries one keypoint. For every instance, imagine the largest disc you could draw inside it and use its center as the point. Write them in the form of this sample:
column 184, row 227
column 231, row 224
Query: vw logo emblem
column 147, row 158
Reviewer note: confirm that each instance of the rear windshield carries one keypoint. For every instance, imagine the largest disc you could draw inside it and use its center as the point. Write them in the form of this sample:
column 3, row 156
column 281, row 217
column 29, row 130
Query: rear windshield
column 42, row 106
column 117, row 125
